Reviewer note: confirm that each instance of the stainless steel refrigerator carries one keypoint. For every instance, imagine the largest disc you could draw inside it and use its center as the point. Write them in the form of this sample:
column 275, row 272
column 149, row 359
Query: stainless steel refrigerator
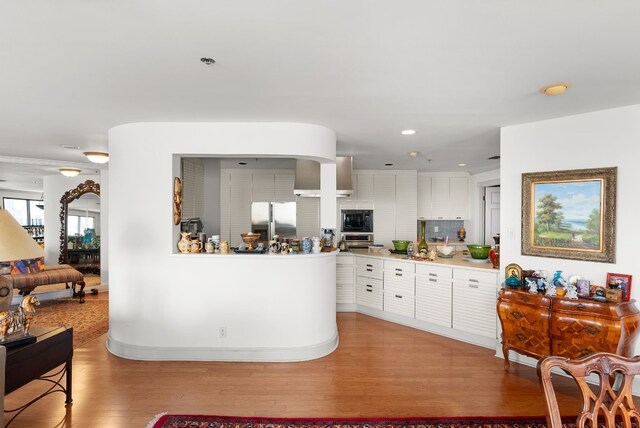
column 273, row 218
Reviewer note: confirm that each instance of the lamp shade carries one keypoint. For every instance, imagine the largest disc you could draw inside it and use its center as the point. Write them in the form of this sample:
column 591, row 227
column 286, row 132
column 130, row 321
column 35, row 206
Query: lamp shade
column 15, row 242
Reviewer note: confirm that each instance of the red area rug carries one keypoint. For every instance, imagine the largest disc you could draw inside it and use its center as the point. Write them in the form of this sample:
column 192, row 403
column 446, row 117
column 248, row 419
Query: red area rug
column 204, row 421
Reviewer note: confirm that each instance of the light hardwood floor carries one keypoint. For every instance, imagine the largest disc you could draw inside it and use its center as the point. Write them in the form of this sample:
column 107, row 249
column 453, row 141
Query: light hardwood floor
column 380, row 369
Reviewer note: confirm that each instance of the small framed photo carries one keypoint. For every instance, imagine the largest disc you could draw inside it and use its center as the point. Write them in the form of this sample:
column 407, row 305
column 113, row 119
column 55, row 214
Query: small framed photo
column 622, row 282
column 584, row 288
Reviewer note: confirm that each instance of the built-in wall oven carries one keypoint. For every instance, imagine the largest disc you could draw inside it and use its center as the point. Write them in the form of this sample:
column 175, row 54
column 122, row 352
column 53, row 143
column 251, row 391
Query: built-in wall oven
column 357, row 240
column 357, row 228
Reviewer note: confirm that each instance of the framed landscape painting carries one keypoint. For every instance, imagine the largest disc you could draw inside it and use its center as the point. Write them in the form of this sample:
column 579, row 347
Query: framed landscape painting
column 570, row 214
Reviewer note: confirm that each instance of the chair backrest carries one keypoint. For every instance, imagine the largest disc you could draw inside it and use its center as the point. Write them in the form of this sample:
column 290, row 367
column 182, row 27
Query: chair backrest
column 611, row 397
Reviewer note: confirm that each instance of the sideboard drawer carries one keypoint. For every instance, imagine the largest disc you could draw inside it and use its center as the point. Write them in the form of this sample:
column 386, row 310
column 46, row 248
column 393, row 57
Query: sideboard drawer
column 576, row 336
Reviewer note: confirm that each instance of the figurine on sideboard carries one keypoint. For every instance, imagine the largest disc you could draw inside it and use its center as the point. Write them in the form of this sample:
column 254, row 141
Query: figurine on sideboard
column 572, row 292
column 551, row 290
column 533, row 285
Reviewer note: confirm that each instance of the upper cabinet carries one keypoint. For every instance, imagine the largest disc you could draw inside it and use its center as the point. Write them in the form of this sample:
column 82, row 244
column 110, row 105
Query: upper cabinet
column 362, row 195
column 443, row 197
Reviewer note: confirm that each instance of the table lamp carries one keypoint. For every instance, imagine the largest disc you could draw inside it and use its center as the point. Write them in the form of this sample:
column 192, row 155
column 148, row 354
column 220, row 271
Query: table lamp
column 17, row 247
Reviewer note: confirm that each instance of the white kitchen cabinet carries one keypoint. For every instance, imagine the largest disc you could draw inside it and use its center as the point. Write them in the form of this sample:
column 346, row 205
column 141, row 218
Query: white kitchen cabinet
column 263, row 187
column 384, row 213
column 424, row 197
column 406, row 205
column 345, row 274
column 399, row 288
column 443, row 197
column 369, row 274
column 459, row 198
column 365, row 193
column 240, row 190
column 474, row 301
column 434, row 294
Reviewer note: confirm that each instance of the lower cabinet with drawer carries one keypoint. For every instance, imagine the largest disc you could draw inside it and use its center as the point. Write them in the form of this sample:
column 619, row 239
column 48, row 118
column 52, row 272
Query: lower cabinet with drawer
column 474, row 300
column 369, row 282
column 536, row 325
column 399, row 287
column 434, row 294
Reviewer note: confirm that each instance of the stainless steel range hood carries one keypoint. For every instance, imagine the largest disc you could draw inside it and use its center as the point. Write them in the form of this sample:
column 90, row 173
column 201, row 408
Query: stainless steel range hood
column 307, row 183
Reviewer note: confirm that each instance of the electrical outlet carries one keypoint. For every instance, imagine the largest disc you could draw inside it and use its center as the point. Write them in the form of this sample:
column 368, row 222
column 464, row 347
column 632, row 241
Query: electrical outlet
column 435, row 228
column 222, row 332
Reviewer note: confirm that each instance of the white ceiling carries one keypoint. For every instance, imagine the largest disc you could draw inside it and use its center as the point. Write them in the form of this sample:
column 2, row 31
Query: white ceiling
column 454, row 70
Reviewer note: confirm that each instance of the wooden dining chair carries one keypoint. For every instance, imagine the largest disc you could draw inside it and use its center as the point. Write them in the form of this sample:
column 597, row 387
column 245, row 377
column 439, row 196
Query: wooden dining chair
column 609, row 398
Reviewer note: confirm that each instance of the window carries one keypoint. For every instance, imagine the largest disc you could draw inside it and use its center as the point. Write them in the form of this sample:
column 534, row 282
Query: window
column 25, row 211
column 76, row 225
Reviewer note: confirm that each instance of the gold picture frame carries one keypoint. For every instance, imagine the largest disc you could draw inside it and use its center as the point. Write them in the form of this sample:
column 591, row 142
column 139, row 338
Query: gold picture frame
column 570, row 214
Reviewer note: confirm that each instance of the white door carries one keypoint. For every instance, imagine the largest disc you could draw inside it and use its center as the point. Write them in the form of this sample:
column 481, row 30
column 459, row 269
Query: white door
column 491, row 214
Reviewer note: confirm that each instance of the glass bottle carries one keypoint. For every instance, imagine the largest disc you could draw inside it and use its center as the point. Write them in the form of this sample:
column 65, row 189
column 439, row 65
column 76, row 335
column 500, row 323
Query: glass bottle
column 411, row 249
column 423, row 247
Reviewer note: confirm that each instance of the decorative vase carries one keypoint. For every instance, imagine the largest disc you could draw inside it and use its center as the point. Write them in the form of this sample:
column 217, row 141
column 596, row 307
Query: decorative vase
column 423, row 247
column 306, row 245
column 494, row 256
column 184, row 244
column 462, row 234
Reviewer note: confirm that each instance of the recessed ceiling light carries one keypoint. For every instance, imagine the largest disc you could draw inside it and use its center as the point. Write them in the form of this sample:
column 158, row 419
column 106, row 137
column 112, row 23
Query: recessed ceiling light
column 69, row 172
column 555, row 89
column 208, row 61
column 414, row 154
column 462, row 164
column 388, row 164
column 69, row 146
column 408, row 132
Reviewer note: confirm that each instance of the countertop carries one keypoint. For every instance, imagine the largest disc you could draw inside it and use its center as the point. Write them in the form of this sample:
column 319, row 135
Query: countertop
column 458, row 259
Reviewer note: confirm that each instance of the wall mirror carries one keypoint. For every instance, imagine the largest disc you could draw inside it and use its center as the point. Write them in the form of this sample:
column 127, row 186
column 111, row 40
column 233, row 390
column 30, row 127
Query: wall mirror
column 80, row 227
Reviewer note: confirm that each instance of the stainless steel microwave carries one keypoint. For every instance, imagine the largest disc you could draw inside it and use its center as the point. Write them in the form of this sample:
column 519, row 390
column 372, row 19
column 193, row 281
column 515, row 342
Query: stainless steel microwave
column 360, row 221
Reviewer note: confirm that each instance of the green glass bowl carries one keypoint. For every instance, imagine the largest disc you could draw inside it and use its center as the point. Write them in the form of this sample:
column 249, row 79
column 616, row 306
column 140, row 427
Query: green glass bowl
column 479, row 251
column 400, row 245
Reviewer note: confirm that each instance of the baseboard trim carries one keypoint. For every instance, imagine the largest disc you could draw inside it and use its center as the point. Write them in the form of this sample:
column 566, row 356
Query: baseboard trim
column 157, row 353
column 474, row 339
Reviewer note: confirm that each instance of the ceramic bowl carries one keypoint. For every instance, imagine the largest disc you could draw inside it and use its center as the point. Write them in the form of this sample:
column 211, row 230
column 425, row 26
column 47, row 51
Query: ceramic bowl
column 400, row 245
column 479, row 251
column 444, row 249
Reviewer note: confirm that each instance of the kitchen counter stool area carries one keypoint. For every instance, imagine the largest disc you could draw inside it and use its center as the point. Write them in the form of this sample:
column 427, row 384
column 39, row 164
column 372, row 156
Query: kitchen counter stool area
column 449, row 297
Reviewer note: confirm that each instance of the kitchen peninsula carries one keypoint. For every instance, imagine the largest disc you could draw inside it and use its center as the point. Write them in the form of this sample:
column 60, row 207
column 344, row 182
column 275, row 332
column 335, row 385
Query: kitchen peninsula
column 170, row 306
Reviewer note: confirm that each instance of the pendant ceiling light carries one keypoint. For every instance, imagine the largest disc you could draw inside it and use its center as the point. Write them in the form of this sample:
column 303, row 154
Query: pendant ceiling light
column 97, row 157
column 69, row 172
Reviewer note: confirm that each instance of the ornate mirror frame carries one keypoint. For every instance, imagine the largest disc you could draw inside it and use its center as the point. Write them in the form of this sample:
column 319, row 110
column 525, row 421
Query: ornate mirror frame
column 88, row 186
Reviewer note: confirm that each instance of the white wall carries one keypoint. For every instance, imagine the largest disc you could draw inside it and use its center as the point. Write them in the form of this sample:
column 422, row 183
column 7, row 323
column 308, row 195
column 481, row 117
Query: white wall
column 159, row 299
column 604, row 138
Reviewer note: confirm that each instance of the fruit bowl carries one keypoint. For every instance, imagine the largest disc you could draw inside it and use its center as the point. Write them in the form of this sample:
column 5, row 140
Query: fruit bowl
column 400, row 245
column 249, row 239
column 445, row 250
column 479, row 251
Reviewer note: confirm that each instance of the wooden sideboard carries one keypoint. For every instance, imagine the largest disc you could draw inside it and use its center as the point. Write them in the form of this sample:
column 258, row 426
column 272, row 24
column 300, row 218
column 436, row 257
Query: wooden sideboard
column 537, row 325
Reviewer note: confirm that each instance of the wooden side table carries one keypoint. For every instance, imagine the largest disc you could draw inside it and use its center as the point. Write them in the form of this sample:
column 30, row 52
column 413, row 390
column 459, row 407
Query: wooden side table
column 53, row 347
column 537, row 325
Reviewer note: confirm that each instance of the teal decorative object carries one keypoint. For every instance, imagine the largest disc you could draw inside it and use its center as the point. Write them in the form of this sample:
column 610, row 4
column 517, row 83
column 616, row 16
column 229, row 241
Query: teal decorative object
column 513, row 281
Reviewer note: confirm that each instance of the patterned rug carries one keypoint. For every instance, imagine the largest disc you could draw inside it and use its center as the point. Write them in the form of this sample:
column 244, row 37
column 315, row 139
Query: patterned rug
column 202, row 421
column 89, row 320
